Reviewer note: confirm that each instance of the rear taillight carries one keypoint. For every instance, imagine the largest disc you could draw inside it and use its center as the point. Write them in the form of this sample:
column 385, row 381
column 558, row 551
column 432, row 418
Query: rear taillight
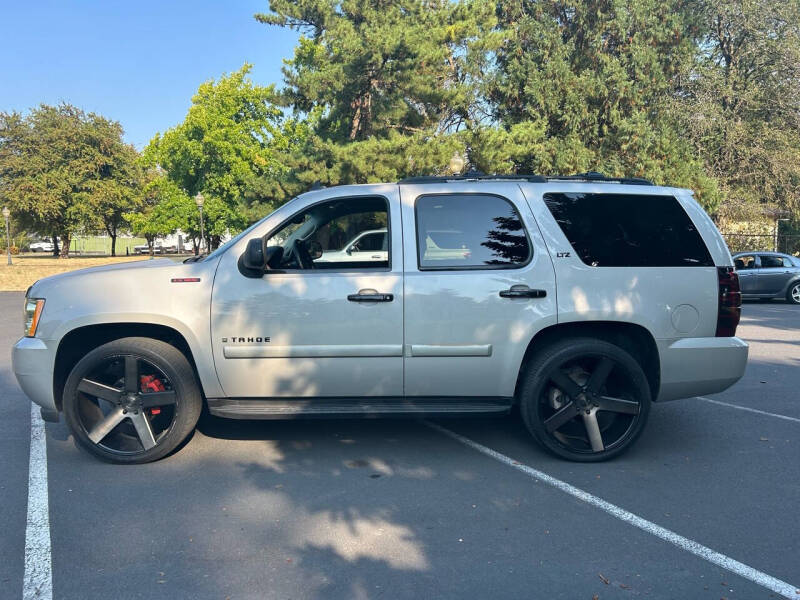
column 730, row 302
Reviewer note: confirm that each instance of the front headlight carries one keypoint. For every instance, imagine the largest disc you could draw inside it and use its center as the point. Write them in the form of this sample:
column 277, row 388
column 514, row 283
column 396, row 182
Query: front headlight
column 33, row 311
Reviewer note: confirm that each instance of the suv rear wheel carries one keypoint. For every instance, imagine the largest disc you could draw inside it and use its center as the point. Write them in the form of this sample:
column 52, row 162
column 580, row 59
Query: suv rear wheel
column 133, row 400
column 584, row 399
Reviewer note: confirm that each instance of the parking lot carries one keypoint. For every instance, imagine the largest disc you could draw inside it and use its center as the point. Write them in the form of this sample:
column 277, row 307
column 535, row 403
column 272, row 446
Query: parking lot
column 411, row 509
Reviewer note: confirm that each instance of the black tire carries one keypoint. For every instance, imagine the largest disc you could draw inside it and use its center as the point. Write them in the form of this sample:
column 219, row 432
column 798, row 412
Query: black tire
column 143, row 426
column 614, row 404
column 793, row 293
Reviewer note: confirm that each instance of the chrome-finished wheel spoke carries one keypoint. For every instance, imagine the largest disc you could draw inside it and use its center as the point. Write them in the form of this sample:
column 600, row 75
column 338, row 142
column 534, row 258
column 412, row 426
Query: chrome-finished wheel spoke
column 601, row 372
column 618, row 405
column 131, row 374
column 99, row 390
column 565, row 383
column 152, row 399
column 143, row 429
column 562, row 416
column 106, row 425
column 593, row 431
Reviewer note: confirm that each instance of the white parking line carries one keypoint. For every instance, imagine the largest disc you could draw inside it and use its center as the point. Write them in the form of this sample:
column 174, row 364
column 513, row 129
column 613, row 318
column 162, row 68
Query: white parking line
column 38, row 580
column 752, row 410
column 734, row 566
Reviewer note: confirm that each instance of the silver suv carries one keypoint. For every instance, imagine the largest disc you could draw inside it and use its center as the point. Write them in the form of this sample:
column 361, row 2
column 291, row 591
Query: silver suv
column 579, row 299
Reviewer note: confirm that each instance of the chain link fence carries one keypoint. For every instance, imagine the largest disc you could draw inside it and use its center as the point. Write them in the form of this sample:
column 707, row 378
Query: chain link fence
column 748, row 242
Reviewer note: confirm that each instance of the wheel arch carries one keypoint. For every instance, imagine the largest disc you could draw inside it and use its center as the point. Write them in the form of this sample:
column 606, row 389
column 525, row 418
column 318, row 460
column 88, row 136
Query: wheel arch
column 79, row 341
column 635, row 339
column 789, row 285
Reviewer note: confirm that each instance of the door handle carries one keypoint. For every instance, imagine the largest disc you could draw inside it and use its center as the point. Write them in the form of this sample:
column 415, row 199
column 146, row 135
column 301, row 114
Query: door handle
column 370, row 296
column 522, row 291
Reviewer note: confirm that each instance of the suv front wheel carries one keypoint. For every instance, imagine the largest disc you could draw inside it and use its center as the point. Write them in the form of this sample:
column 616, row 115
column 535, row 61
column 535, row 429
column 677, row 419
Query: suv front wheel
column 584, row 399
column 133, row 400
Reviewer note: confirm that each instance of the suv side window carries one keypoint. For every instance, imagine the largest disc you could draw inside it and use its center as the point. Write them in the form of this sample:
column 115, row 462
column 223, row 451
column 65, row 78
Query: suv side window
column 743, row 263
column 470, row 231
column 771, row 262
column 629, row 230
column 317, row 237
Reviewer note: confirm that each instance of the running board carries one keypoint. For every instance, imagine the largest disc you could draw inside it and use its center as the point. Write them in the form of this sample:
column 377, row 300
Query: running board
column 293, row 408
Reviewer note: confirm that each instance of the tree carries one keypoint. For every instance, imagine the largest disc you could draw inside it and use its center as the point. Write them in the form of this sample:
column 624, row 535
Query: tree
column 740, row 103
column 376, row 67
column 231, row 136
column 63, row 170
column 583, row 85
column 117, row 191
column 164, row 204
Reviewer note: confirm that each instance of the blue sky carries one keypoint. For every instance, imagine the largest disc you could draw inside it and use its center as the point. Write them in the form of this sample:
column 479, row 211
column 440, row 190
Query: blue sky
column 135, row 62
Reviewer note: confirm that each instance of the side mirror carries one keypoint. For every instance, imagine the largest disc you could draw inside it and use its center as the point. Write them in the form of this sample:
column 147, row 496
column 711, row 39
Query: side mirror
column 258, row 258
column 254, row 258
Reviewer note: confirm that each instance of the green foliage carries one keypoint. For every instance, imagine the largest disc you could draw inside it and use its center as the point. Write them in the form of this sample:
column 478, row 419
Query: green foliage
column 164, row 208
column 231, row 136
column 64, row 170
column 373, row 68
column 583, row 85
column 740, row 104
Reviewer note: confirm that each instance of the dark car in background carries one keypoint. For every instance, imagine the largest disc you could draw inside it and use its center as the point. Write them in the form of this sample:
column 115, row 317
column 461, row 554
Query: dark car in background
column 767, row 275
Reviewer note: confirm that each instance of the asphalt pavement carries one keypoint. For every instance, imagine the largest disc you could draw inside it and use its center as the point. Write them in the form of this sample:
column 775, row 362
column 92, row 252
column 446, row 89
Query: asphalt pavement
column 398, row 509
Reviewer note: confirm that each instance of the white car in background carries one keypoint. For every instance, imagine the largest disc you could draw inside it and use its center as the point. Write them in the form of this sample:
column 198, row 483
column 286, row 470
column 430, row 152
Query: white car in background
column 367, row 246
column 42, row 246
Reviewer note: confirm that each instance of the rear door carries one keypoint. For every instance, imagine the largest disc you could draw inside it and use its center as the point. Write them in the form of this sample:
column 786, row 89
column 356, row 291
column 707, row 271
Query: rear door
column 478, row 285
column 747, row 268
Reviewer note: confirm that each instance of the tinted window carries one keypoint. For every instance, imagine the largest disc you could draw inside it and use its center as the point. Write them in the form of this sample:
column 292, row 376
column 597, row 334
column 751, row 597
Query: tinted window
column 627, row 230
column 469, row 231
column 771, row 262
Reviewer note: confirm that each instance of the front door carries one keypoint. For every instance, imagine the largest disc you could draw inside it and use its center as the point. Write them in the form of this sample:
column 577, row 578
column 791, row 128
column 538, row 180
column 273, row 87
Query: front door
column 774, row 274
column 478, row 285
column 310, row 327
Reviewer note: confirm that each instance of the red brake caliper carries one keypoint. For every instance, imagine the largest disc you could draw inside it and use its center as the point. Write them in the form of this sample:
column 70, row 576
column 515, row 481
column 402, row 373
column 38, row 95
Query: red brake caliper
column 151, row 383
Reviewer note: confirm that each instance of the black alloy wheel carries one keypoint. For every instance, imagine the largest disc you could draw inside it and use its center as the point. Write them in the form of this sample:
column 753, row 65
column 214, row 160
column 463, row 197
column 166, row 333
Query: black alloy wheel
column 584, row 399
column 133, row 400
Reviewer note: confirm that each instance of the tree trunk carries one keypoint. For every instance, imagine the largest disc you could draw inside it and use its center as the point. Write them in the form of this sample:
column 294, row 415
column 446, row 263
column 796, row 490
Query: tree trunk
column 65, row 238
column 113, row 245
column 55, row 246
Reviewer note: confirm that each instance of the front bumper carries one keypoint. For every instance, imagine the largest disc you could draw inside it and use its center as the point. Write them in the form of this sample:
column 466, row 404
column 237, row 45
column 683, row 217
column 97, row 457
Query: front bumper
column 32, row 361
column 698, row 366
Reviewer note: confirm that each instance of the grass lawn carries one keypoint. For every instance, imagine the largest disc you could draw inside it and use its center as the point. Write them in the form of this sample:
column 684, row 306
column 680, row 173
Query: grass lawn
column 27, row 269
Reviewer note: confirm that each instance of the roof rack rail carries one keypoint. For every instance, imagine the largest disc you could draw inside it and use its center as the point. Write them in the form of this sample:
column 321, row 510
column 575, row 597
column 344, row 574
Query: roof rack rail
column 592, row 176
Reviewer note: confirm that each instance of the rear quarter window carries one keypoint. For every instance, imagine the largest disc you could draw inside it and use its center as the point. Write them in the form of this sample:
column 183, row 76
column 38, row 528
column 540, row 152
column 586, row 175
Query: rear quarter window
column 628, row 230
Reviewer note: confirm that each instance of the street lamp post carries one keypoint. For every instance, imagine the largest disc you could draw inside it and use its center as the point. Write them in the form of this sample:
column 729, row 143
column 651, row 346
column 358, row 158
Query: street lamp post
column 199, row 200
column 6, row 215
